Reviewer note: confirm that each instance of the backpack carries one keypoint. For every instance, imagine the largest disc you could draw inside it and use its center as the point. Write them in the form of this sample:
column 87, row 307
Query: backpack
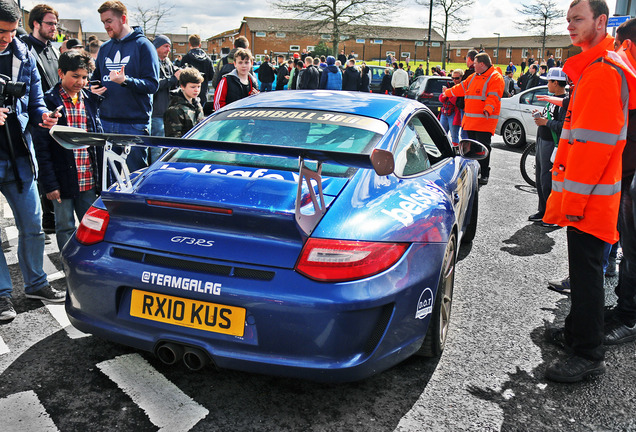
column 448, row 108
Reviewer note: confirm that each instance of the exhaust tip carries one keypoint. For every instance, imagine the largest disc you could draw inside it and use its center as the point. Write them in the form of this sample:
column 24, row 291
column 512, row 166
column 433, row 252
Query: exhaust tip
column 195, row 359
column 169, row 353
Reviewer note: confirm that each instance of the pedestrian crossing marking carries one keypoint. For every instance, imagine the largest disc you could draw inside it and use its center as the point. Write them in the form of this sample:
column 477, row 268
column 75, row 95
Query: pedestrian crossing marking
column 58, row 312
column 149, row 389
column 3, row 347
column 24, row 412
column 6, row 211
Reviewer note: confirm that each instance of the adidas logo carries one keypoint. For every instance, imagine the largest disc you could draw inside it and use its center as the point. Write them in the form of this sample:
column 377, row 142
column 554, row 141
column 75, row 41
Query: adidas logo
column 117, row 62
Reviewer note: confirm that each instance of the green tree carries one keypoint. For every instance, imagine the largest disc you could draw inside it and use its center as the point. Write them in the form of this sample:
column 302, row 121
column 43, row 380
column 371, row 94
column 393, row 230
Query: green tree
column 321, row 49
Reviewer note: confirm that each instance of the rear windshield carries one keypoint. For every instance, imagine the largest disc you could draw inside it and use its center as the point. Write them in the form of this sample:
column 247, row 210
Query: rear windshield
column 435, row 85
column 320, row 130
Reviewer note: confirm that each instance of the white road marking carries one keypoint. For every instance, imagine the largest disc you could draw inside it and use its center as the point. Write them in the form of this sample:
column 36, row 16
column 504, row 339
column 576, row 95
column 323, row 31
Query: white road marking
column 12, row 232
column 6, row 211
column 3, row 347
column 24, row 412
column 55, row 276
column 165, row 404
column 58, row 312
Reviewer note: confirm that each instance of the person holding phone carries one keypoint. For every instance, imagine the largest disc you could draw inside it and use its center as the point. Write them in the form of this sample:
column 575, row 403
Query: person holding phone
column 70, row 178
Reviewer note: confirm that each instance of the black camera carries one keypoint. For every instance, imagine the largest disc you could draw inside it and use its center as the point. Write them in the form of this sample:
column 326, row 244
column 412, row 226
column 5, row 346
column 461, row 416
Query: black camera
column 10, row 91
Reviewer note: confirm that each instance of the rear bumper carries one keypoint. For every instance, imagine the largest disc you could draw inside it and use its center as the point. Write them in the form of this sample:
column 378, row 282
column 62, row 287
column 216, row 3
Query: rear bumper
column 293, row 326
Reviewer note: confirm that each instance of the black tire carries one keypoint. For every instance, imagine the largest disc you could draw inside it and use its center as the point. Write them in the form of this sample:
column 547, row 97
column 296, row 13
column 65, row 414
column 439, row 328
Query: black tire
column 471, row 229
column 528, row 164
column 437, row 331
column 513, row 134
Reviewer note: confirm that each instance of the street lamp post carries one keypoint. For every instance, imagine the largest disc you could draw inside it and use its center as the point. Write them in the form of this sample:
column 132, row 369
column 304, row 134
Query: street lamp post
column 430, row 24
column 498, row 35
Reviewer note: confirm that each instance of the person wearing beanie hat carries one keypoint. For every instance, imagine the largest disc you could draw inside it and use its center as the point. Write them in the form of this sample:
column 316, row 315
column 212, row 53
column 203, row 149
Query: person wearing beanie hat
column 168, row 80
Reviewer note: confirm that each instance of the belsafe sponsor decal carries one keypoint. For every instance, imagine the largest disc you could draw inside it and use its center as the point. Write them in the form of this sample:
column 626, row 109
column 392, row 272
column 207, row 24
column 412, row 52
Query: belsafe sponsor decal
column 411, row 205
column 424, row 304
column 182, row 283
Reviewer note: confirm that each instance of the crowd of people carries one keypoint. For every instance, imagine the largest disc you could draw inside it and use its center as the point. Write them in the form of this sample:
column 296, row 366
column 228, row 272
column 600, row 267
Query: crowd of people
column 586, row 155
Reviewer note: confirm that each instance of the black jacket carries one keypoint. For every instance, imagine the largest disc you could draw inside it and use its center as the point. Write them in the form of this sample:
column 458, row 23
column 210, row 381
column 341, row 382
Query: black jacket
column 281, row 73
column 266, row 73
column 46, row 56
column 309, row 78
column 167, row 82
column 197, row 58
column 385, row 85
column 56, row 165
column 365, row 81
column 351, row 79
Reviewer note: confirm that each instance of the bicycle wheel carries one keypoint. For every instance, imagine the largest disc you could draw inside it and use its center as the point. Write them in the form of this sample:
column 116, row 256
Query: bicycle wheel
column 528, row 164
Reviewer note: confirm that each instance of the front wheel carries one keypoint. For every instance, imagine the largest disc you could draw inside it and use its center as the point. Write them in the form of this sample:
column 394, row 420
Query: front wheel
column 513, row 134
column 528, row 164
column 437, row 332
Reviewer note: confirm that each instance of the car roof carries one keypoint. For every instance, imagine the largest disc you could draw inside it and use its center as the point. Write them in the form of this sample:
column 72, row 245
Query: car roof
column 379, row 106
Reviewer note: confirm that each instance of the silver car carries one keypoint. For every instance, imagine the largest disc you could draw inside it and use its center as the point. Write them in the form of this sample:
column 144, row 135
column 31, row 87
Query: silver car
column 516, row 124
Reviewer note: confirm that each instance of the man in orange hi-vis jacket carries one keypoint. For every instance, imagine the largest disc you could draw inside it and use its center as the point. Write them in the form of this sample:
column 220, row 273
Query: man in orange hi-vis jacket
column 586, row 184
column 482, row 93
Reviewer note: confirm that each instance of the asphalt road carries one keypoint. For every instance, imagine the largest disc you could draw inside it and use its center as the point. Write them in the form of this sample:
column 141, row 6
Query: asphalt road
column 489, row 378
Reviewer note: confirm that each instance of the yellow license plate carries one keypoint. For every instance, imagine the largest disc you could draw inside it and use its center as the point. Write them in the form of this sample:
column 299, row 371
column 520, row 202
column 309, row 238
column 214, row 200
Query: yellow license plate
column 188, row 313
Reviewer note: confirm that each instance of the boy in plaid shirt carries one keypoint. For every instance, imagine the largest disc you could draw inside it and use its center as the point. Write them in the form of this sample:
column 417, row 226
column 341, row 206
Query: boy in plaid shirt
column 70, row 178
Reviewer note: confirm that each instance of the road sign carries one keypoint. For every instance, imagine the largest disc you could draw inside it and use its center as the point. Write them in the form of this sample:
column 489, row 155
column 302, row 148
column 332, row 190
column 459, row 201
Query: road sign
column 615, row 21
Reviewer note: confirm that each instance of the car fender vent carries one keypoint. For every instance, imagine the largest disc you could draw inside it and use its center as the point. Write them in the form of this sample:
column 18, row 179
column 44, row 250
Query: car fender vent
column 380, row 328
column 193, row 266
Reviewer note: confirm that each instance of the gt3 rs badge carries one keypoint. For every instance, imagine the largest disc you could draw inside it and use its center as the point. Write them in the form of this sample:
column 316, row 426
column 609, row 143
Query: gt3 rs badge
column 424, row 304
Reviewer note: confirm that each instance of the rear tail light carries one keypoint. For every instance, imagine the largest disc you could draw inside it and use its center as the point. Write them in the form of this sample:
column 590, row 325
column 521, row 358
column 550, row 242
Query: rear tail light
column 93, row 226
column 329, row 260
column 426, row 95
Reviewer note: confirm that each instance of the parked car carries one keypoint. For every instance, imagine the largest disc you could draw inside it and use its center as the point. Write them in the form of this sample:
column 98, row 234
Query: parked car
column 310, row 234
column 427, row 89
column 516, row 124
column 377, row 72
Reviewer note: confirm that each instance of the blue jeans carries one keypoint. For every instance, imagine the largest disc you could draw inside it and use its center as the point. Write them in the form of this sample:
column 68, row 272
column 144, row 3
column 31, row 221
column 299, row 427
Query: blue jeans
column 265, row 87
column 64, row 218
column 156, row 129
column 447, row 124
column 138, row 157
column 28, row 216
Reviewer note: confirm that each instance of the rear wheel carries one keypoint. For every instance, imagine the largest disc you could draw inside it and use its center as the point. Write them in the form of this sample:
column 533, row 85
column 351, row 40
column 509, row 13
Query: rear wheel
column 440, row 319
column 528, row 164
column 513, row 134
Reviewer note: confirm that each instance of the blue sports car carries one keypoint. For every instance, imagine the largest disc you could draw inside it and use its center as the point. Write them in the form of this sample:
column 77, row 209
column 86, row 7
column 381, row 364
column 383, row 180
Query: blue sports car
column 310, row 234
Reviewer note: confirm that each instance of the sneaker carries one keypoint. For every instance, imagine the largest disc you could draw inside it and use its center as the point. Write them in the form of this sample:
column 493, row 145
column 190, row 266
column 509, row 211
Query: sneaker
column 535, row 217
column 6, row 309
column 483, row 180
column 574, row 369
column 548, row 225
column 560, row 286
column 48, row 293
column 618, row 333
column 556, row 337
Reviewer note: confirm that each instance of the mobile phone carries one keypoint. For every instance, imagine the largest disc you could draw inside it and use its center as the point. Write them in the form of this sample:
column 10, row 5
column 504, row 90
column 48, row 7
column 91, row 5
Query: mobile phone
column 95, row 83
column 536, row 114
column 57, row 110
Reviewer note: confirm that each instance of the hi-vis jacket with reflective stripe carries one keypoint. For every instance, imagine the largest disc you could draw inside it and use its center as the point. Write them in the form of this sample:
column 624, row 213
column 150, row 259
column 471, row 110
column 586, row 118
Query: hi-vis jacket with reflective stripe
column 586, row 174
column 481, row 92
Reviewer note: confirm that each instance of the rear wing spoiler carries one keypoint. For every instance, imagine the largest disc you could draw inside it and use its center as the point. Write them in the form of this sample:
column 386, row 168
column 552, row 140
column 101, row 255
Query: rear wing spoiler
column 381, row 161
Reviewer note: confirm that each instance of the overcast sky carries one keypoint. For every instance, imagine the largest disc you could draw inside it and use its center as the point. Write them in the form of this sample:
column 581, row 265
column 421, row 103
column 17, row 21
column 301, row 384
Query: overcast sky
column 211, row 17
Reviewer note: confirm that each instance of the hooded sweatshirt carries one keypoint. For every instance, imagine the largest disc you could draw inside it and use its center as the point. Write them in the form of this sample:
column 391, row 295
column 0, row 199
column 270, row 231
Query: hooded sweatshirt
column 198, row 59
column 131, row 102
column 331, row 78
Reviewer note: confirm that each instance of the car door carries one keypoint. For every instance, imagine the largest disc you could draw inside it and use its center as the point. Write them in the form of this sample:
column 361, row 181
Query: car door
column 528, row 102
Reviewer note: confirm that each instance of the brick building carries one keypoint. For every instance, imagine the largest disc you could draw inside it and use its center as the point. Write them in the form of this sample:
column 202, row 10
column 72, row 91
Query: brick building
column 514, row 48
column 287, row 36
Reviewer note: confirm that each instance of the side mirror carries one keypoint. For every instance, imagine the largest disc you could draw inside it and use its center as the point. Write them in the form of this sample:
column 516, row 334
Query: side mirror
column 471, row 149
